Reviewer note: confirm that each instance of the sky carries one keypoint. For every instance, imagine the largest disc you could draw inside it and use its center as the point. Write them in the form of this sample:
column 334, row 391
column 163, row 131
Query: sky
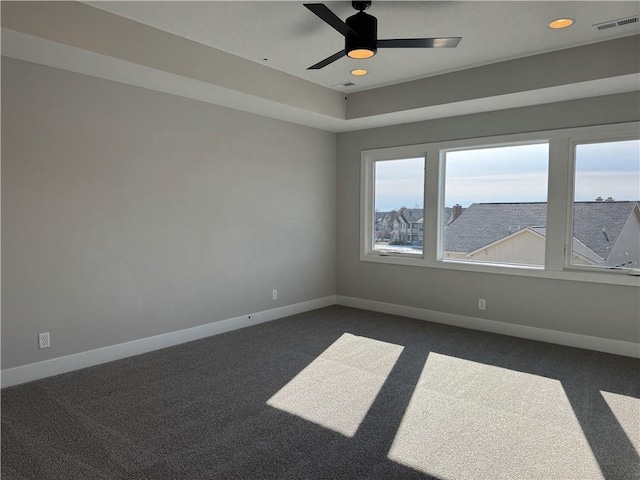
column 512, row 174
column 608, row 170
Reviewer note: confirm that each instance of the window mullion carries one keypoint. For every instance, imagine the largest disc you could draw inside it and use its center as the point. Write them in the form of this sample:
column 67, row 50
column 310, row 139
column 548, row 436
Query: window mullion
column 366, row 206
column 432, row 195
column 558, row 203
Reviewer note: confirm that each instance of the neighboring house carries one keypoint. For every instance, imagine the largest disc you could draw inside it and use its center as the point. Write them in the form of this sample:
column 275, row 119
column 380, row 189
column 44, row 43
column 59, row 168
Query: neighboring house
column 605, row 233
column 384, row 225
column 400, row 227
column 406, row 225
column 381, row 226
column 410, row 227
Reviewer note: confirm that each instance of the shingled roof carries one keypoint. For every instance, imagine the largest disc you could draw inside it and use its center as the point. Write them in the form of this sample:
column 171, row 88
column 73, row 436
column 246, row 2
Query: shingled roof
column 485, row 223
column 596, row 224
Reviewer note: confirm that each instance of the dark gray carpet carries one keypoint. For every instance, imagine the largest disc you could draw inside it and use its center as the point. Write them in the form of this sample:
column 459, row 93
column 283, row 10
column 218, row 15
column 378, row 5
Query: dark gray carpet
column 333, row 393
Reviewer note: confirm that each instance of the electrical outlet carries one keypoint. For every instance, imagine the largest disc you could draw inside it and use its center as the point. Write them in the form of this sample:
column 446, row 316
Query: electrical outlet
column 482, row 304
column 43, row 340
column 274, row 295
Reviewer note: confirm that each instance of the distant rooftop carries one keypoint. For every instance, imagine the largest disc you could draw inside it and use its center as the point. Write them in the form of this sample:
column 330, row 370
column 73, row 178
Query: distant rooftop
column 597, row 224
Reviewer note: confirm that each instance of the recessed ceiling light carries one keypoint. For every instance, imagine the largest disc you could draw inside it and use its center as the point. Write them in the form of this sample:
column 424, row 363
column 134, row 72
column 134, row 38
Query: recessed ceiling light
column 358, row 72
column 561, row 23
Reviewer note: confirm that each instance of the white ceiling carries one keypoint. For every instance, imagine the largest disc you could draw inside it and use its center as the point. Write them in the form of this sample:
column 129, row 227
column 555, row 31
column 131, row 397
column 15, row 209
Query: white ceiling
column 292, row 38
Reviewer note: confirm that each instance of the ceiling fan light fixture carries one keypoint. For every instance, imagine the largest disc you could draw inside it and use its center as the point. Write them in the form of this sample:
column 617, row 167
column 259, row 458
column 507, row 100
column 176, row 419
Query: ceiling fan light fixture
column 361, row 53
column 358, row 72
column 560, row 23
column 361, row 41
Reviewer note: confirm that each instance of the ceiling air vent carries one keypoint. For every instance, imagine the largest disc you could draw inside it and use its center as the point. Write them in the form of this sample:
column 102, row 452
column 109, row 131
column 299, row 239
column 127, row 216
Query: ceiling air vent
column 616, row 23
column 343, row 84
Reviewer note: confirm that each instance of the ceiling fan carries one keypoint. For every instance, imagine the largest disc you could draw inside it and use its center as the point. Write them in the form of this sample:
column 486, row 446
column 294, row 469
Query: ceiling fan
column 361, row 34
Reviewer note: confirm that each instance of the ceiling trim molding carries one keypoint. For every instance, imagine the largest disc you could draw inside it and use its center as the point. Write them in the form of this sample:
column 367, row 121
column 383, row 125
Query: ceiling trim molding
column 88, row 28
column 571, row 66
column 79, row 38
column 36, row 50
column 44, row 52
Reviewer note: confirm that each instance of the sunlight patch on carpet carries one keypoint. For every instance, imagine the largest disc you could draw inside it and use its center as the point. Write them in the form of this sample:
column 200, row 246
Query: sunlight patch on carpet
column 338, row 388
column 468, row 420
column 627, row 411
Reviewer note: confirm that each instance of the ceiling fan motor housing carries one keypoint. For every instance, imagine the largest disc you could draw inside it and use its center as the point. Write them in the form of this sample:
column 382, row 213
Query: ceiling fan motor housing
column 366, row 28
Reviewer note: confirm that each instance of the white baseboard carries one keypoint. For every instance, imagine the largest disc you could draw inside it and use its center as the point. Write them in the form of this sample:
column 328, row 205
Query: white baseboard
column 56, row 366
column 76, row 361
column 618, row 347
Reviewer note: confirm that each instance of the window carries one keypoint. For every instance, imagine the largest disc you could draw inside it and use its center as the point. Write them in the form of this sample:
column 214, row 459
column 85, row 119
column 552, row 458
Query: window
column 556, row 204
column 496, row 204
column 606, row 219
column 398, row 199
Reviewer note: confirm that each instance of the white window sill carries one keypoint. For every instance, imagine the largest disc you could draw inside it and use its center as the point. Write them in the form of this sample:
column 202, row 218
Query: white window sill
column 612, row 277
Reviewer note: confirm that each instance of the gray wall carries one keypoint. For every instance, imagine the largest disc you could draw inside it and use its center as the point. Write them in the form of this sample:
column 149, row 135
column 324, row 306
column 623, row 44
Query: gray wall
column 608, row 311
column 128, row 213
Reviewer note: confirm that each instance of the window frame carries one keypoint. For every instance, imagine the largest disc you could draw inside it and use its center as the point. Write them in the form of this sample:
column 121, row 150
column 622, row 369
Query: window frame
column 607, row 137
column 367, row 198
column 442, row 187
column 560, row 191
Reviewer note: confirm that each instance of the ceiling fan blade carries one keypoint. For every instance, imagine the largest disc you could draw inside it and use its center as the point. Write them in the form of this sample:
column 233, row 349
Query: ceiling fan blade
column 322, row 11
column 446, row 42
column 328, row 60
